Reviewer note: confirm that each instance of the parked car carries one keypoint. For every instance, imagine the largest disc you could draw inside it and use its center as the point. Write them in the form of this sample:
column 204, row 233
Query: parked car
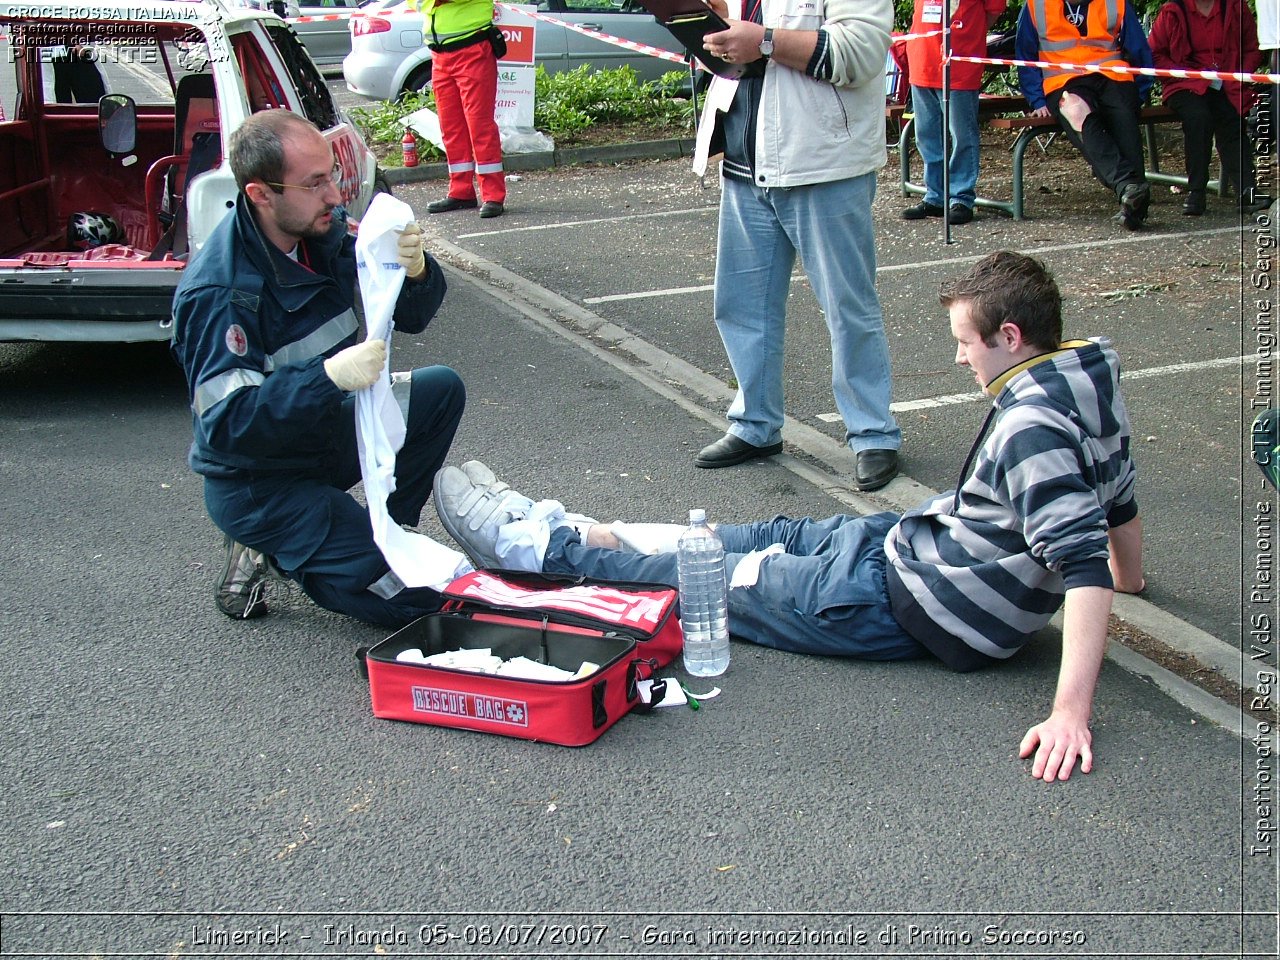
column 388, row 56
column 321, row 25
column 103, row 200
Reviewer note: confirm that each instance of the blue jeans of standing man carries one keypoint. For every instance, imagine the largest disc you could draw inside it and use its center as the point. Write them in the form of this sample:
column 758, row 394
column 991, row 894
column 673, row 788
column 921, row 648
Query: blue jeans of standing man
column 829, row 225
column 826, row 595
column 926, row 105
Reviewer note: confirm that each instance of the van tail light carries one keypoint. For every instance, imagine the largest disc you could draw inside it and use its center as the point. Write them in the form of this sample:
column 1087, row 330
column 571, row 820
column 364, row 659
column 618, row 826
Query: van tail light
column 362, row 26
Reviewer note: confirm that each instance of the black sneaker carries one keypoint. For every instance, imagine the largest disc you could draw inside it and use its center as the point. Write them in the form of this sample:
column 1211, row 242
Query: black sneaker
column 960, row 214
column 241, row 592
column 920, row 211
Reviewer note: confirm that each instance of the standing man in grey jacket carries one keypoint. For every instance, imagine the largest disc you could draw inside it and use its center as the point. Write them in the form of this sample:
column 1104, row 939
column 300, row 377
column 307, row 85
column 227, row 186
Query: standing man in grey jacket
column 802, row 137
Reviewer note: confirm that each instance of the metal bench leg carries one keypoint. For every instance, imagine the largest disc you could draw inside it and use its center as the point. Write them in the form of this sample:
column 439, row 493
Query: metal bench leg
column 1156, row 175
column 905, row 143
column 1153, row 152
column 1019, row 149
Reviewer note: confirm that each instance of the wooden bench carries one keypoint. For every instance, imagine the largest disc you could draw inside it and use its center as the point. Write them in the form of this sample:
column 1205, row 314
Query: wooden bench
column 994, row 111
column 1028, row 127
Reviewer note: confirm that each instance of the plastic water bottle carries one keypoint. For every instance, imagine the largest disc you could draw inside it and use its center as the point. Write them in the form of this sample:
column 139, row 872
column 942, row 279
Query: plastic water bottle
column 704, row 601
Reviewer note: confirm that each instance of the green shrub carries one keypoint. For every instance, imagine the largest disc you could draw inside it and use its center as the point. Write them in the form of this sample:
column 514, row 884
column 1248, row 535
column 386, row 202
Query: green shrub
column 573, row 100
column 381, row 125
column 564, row 104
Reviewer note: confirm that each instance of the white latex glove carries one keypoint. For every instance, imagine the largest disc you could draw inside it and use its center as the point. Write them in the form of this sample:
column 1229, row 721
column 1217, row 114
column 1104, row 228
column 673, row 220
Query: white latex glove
column 409, row 251
column 356, row 367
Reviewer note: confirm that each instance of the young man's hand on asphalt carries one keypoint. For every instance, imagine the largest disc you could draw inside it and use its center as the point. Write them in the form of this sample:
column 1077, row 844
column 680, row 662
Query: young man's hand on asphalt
column 1057, row 743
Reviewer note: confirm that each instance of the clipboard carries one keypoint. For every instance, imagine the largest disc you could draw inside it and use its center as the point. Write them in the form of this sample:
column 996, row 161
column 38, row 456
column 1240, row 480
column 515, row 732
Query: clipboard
column 691, row 20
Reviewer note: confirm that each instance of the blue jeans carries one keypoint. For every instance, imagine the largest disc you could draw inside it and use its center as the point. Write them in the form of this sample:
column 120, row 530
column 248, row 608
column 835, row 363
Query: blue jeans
column 829, row 225
column 926, row 105
column 826, row 595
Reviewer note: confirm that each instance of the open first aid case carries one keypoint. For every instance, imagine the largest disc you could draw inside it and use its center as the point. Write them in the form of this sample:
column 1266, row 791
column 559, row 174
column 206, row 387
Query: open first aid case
column 623, row 632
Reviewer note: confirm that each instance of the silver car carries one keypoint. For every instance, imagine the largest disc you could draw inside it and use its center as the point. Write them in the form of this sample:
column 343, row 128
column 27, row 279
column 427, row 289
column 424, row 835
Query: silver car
column 388, row 56
column 323, row 27
column 325, row 30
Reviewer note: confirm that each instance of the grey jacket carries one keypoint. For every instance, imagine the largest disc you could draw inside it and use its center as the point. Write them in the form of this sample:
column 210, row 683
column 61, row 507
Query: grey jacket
column 816, row 131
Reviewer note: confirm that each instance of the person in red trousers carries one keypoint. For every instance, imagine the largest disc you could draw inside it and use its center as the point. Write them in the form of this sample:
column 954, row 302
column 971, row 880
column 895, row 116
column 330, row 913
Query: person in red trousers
column 465, row 47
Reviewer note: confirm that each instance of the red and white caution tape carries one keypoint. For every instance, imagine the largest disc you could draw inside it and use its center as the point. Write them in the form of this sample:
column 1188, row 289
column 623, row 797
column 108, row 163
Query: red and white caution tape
column 1140, row 71
column 607, row 38
column 900, row 37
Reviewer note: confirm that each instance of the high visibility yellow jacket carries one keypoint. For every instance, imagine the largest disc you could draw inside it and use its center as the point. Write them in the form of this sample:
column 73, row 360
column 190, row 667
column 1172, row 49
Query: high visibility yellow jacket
column 445, row 21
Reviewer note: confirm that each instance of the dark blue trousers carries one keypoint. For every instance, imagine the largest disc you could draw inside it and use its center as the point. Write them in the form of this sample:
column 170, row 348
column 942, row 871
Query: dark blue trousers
column 320, row 536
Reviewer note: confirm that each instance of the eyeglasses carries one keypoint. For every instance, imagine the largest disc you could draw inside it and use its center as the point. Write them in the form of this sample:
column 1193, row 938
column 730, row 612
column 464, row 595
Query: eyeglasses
column 317, row 187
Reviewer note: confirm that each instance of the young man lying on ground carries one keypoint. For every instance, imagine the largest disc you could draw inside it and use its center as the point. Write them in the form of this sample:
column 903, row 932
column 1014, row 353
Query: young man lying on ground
column 1046, row 516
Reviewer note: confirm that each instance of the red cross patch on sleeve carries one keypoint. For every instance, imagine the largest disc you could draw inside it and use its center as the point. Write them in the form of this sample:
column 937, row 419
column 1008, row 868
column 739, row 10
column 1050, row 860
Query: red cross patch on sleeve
column 237, row 342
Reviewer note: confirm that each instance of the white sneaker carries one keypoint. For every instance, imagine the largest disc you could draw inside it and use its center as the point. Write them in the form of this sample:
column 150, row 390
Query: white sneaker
column 480, row 475
column 473, row 512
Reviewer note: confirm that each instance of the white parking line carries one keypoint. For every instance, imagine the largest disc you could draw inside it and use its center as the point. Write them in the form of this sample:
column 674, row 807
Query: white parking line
column 898, row 267
column 1127, row 375
column 589, row 223
column 668, row 292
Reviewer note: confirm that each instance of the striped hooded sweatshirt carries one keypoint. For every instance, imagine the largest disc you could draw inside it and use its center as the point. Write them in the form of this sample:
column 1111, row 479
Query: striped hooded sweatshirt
column 974, row 573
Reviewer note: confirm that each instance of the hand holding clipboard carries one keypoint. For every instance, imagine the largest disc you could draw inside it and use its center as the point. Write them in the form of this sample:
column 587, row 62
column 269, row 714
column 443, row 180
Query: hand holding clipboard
column 690, row 21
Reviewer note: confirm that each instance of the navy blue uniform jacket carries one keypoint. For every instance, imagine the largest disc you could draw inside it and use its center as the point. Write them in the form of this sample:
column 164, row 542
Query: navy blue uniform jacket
column 252, row 329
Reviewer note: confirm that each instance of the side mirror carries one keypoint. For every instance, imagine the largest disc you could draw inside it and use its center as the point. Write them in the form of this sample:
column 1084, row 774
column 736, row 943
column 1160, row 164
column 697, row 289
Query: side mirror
column 118, row 124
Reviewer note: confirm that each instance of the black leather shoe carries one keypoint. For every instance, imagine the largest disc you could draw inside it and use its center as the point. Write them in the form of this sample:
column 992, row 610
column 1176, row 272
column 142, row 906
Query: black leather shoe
column 920, row 211
column 449, row 204
column 1193, row 206
column 961, row 214
column 490, row 208
column 875, row 469
column 730, row 450
column 1134, row 200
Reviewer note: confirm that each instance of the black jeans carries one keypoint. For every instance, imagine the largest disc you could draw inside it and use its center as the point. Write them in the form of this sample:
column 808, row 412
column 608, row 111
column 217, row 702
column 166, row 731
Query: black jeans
column 1206, row 117
column 1110, row 139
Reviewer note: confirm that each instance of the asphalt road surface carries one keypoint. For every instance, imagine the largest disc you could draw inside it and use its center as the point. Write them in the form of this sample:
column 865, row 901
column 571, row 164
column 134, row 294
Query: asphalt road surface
column 178, row 784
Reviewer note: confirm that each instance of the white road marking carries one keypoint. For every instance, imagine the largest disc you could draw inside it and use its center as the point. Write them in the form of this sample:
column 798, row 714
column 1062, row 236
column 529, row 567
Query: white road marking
column 923, row 264
column 588, row 223
column 159, row 85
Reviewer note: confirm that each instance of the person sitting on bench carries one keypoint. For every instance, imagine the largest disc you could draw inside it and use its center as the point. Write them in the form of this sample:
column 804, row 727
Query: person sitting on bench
column 1097, row 111
column 1210, row 35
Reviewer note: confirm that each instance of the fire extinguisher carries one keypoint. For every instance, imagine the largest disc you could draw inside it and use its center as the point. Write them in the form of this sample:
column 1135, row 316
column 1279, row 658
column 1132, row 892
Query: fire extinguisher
column 409, row 148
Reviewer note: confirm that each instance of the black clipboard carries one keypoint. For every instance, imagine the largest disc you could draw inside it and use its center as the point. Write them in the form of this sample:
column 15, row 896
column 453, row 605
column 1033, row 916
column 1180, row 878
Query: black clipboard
column 691, row 20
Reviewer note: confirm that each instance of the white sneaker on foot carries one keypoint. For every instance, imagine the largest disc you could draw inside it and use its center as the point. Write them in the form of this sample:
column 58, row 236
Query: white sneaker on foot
column 473, row 513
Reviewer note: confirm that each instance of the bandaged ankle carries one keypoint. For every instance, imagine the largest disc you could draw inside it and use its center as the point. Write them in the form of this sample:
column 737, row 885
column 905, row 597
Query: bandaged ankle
column 648, row 538
column 522, row 543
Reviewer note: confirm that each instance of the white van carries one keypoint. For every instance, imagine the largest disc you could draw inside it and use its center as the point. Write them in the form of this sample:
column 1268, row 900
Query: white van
column 112, row 146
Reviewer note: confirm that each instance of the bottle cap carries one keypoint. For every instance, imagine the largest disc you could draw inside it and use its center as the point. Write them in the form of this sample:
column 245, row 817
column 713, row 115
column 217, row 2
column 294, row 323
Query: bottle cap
column 697, row 515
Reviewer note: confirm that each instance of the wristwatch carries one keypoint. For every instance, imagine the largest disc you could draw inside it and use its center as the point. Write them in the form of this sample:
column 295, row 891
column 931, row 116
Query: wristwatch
column 766, row 45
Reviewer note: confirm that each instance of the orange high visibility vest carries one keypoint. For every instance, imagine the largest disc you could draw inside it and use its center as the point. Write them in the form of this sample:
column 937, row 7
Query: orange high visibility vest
column 1060, row 40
